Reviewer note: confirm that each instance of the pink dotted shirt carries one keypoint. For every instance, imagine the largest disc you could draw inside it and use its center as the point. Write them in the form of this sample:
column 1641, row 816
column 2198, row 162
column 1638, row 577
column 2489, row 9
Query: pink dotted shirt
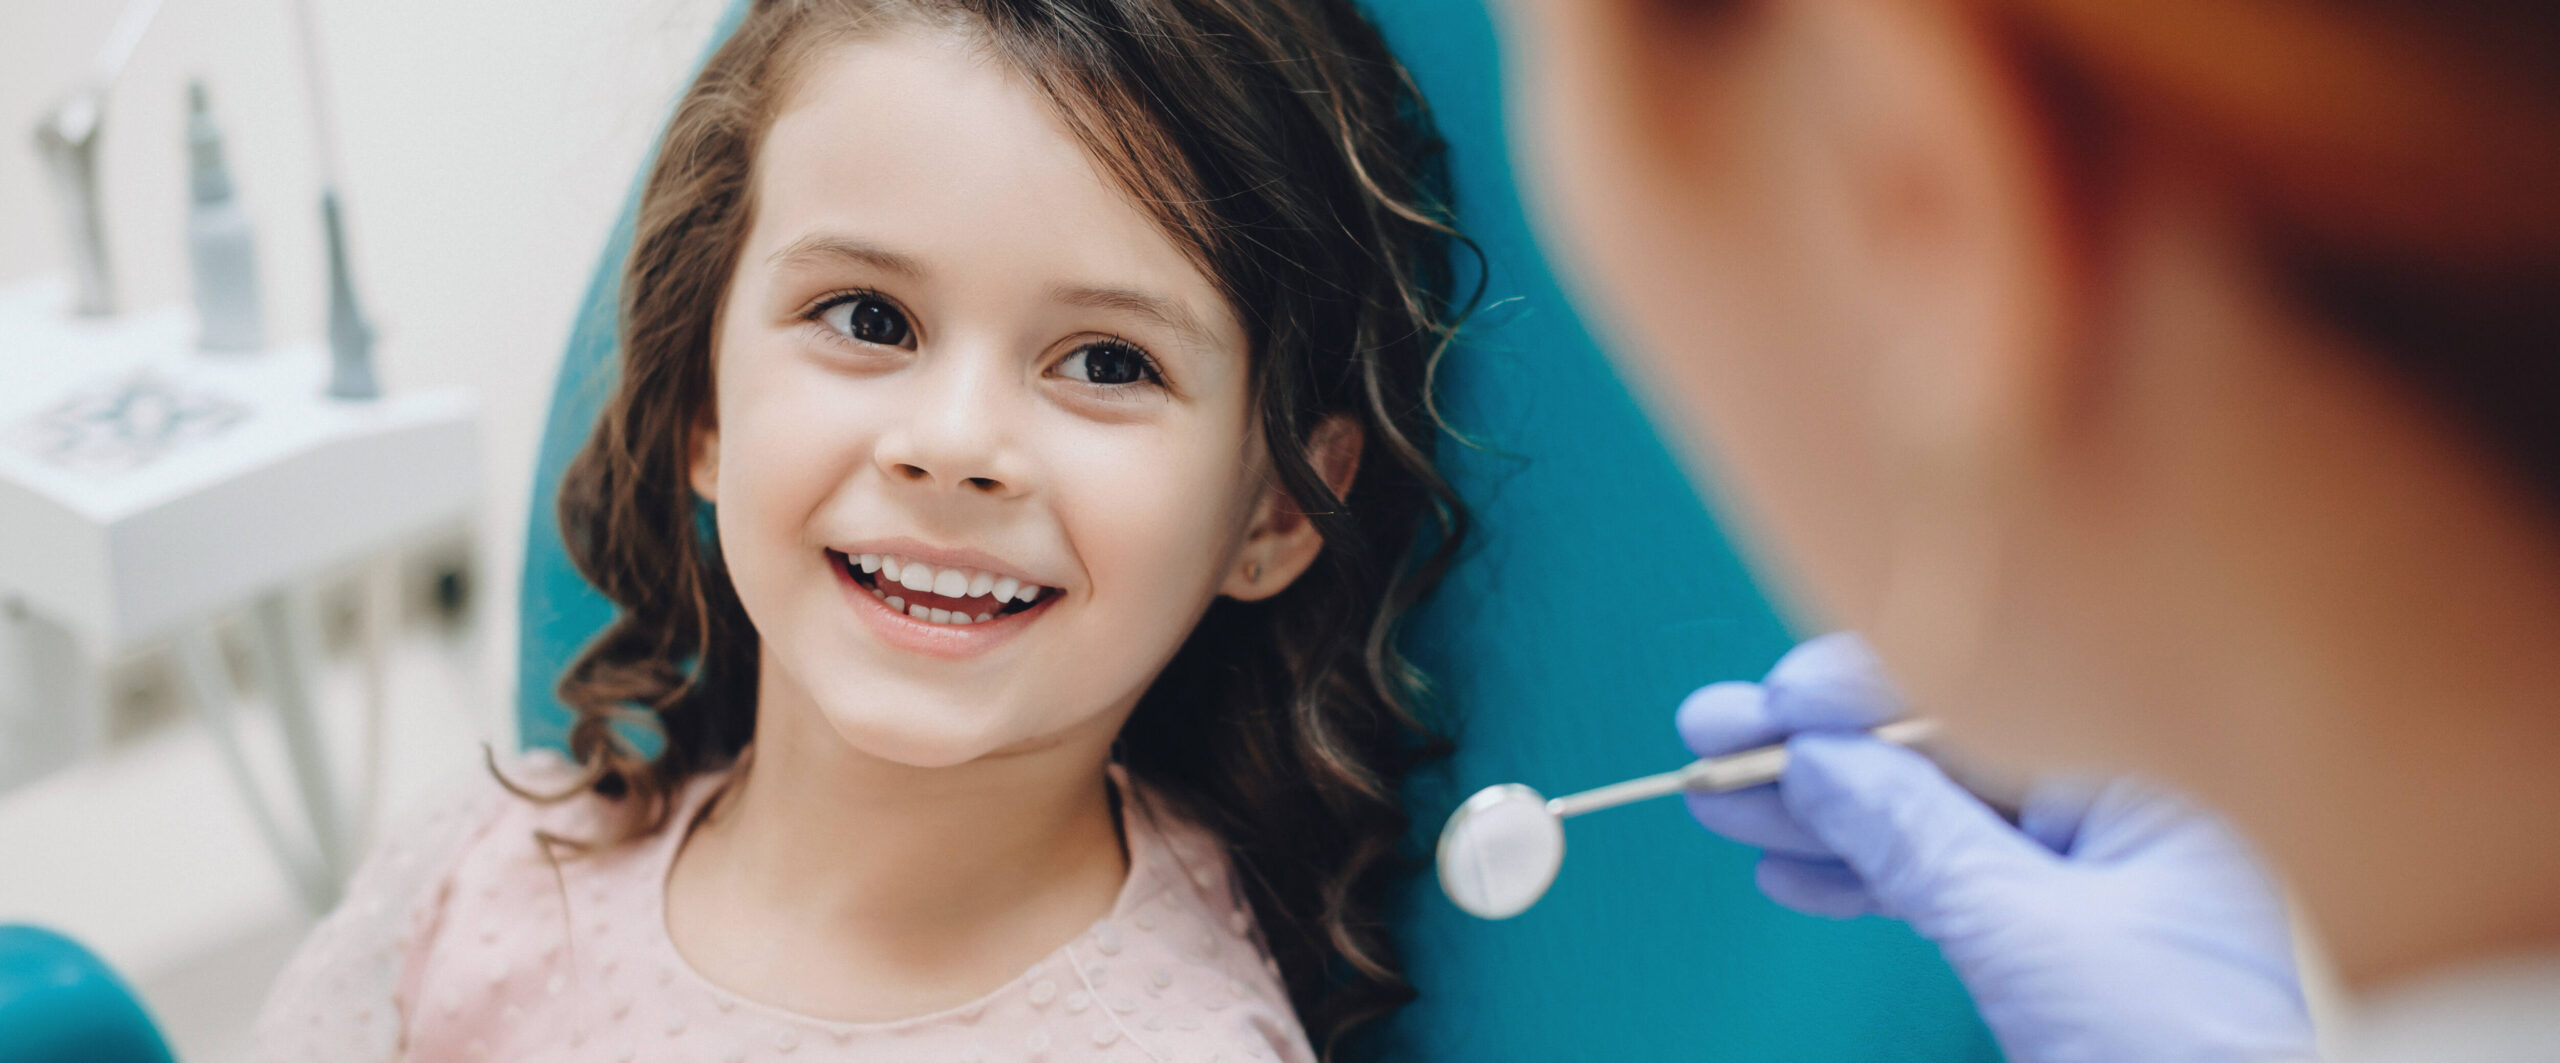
column 460, row 940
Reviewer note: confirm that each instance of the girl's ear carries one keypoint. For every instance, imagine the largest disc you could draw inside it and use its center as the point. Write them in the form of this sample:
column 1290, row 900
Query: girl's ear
column 705, row 473
column 1282, row 541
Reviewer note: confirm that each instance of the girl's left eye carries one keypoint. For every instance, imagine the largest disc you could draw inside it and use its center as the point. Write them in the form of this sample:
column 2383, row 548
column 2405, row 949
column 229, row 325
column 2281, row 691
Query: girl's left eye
column 868, row 318
column 1108, row 364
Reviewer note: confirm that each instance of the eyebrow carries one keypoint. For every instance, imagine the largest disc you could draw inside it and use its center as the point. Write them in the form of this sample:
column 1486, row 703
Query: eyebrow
column 1164, row 311
column 817, row 248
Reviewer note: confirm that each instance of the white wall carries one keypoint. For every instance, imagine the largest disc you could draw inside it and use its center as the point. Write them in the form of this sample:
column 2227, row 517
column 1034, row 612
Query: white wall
column 486, row 146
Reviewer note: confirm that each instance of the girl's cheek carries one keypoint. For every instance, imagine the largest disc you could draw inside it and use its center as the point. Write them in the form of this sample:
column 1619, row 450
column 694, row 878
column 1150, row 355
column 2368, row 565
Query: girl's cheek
column 1174, row 519
column 786, row 442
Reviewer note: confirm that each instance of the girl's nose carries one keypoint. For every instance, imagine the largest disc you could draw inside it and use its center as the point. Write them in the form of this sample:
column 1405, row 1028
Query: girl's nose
column 956, row 436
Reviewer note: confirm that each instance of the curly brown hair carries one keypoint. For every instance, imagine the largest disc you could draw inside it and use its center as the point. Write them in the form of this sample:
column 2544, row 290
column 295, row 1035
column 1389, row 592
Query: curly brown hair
column 1284, row 148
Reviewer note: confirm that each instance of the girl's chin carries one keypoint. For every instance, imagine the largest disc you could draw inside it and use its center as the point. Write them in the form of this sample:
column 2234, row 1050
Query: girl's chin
column 915, row 741
column 935, row 732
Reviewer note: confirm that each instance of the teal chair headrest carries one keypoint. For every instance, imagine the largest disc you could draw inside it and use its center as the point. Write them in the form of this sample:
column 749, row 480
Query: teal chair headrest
column 1653, row 945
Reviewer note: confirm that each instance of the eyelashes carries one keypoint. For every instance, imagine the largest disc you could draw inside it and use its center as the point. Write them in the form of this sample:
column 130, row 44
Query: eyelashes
column 1110, row 363
column 866, row 317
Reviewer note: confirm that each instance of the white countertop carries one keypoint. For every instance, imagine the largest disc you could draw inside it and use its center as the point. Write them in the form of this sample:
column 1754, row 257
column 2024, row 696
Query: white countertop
column 281, row 482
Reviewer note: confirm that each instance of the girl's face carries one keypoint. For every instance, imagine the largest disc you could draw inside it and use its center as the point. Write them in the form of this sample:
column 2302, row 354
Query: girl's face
column 955, row 362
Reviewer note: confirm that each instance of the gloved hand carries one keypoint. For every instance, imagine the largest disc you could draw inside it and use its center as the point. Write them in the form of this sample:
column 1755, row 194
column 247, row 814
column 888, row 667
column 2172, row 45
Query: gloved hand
column 2114, row 923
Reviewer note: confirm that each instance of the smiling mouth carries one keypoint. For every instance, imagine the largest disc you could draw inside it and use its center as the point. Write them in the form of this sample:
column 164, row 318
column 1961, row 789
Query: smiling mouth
column 956, row 597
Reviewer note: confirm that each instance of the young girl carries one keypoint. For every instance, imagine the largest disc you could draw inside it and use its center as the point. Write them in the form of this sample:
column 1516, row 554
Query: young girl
column 1056, row 375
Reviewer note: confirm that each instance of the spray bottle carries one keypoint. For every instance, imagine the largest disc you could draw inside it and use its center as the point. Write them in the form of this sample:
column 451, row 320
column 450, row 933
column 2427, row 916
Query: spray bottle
column 221, row 247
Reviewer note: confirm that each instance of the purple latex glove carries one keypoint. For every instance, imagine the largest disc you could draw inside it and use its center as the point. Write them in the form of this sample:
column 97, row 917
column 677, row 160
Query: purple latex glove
column 2114, row 924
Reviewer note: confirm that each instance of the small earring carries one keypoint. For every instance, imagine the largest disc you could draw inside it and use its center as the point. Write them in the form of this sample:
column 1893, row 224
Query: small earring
column 1253, row 571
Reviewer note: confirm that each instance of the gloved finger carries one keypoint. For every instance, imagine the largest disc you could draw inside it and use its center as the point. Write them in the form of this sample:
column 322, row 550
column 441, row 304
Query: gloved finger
column 2128, row 818
column 1720, row 718
column 2054, row 810
column 1825, row 888
column 1911, row 834
column 1756, row 817
column 1830, row 683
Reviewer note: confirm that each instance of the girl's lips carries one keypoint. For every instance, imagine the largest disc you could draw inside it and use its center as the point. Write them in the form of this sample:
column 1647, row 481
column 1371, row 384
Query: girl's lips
column 905, row 632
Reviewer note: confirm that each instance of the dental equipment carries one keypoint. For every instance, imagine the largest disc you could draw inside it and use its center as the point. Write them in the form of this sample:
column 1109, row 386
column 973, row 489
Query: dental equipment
column 350, row 335
column 67, row 136
column 222, row 246
column 1501, row 850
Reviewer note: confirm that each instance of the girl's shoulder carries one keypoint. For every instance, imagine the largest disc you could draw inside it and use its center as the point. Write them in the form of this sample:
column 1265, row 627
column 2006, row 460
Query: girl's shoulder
column 349, row 991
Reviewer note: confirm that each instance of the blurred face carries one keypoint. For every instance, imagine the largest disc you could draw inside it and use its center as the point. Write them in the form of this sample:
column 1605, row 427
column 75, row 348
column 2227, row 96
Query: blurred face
column 984, row 452
column 1813, row 231
column 1699, row 221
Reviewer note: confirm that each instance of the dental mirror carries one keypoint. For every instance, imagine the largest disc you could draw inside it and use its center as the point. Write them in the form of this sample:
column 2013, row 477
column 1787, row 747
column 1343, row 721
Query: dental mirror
column 1500, row 851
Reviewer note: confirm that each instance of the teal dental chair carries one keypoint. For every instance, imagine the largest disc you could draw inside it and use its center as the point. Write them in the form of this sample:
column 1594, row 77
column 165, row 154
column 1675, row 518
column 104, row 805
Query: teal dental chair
column 1654, row 944
column 59, row 1003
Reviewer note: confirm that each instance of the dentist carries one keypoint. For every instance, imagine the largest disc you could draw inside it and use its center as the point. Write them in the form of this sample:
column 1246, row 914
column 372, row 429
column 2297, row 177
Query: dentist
column 2167, row 387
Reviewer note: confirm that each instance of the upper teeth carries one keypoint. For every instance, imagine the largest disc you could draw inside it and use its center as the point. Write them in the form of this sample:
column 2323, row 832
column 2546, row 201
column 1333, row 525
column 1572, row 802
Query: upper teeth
column 948, row 582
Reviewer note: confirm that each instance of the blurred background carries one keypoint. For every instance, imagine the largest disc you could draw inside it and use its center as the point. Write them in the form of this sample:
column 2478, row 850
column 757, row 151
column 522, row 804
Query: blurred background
column 485, row 149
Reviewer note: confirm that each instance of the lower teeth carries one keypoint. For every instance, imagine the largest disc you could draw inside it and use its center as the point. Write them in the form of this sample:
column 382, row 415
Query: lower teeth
column 928, row 614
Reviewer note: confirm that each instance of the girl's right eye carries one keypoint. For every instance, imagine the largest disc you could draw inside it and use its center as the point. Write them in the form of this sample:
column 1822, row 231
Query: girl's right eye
column 868, row 318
